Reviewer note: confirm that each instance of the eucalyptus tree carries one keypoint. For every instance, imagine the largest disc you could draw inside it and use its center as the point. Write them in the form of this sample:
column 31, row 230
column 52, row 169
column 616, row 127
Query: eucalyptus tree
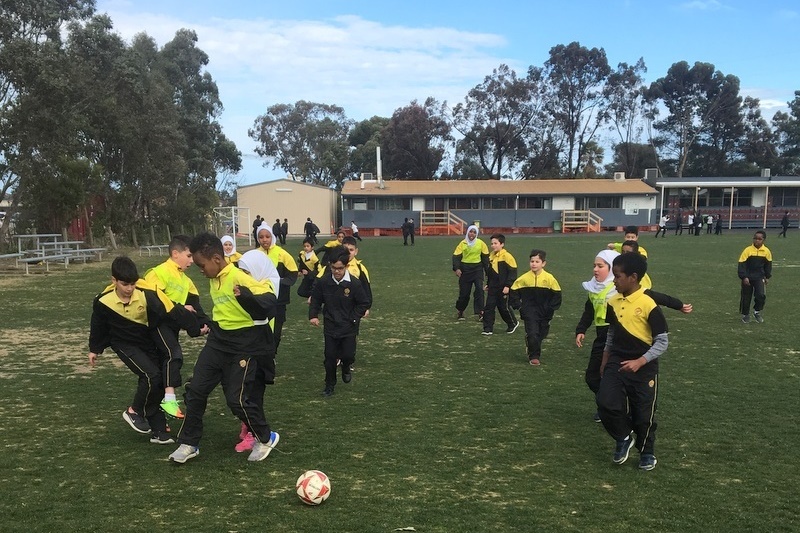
column 787, row 132
column 364, row 138
column 416, row 140
column 624, row 93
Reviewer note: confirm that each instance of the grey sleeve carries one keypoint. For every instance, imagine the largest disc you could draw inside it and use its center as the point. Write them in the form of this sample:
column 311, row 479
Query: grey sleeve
column 660, row 343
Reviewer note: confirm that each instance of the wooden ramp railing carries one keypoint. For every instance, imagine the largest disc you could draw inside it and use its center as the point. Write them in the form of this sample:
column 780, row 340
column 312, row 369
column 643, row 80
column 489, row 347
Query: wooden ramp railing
column 441, row 223
column 580, row 220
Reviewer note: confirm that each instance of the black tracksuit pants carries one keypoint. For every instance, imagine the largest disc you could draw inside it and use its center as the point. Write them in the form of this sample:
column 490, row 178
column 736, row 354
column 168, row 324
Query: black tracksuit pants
column 496, row 300
column 150, row 387
column 338, row 348
column 170, row 354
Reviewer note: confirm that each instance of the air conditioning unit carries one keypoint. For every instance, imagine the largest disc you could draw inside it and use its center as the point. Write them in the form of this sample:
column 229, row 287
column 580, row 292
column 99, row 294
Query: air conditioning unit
column 619, row 176
column 650, row 174
column 766, row 173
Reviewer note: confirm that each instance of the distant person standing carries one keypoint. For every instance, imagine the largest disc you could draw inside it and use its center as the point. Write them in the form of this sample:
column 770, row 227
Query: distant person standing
column 709, row 224
column 755, row 269
column 698, row 224
column 411, row 230
column 679, row 223
column 276, row 231
column 256, row 224
column 662, row 226
column 354, row 228
column 784, row 224
column 718, row 225
column 309, row 228
column 284, row 230
column 405, row 229
column 690, row 223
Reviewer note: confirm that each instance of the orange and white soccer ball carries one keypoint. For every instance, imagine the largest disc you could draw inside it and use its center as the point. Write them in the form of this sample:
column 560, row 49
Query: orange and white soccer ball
column 313, row 487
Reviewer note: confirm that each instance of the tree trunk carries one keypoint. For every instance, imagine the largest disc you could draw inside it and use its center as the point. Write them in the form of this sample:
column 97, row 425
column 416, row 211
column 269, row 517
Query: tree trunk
column 152, row 235
column 89, row 237
column 111, row 239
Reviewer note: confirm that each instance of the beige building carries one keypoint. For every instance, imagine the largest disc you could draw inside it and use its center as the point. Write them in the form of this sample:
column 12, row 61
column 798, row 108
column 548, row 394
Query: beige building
column 293, row 200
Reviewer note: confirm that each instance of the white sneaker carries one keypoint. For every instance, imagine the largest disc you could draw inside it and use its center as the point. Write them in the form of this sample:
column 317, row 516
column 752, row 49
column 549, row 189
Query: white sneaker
column 184, row 453
column 261, row 449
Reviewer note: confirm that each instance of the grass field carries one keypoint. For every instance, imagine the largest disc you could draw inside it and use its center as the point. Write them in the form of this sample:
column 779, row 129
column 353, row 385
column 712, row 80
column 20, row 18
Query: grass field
column 442, row 429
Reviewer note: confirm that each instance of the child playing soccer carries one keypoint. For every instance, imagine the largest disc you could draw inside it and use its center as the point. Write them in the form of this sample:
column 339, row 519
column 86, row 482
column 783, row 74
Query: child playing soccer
column 502, row 273
column 229, row 246
column 470, row 260
column 308, row 263
column 538, row 296
column 343, row 302
column 232, row 349
column 287, row 269
column 637, row 337
column 124, row 317
column 328, row 246
column 631, row 234
column 755, row 269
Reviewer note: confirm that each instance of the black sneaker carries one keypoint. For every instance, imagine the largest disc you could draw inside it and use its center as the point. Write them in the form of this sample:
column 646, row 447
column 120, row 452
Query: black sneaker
column 347, row 377
column 513, row 328
column 623, row 449
column 161, row 438
column 328, row 392
column 137, row 422
column 647, row 461
column 758, row 317
column 486, row 332
column 460, row 315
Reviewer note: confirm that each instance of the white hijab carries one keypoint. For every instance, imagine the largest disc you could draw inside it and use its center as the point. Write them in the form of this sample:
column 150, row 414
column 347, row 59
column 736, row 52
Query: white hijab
column 265, row 226
column 595, row 286
column 261, row 268
column 228, row 238
column 473, row 241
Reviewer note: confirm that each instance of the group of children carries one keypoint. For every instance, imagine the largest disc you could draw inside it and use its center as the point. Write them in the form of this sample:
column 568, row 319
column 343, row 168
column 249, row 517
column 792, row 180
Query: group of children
column 140, row 320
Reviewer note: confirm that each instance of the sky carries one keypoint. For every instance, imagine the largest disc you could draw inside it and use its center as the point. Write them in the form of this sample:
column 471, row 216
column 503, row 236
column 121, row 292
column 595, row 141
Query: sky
column 373, row 57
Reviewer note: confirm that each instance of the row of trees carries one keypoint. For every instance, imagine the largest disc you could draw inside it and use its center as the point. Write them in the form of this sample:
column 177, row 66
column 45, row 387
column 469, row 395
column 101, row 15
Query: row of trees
column 551, row 123
column 88, row 121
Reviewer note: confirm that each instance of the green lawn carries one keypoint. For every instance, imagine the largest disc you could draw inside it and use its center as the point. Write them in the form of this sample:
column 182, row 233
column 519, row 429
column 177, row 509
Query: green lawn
column 442, row 429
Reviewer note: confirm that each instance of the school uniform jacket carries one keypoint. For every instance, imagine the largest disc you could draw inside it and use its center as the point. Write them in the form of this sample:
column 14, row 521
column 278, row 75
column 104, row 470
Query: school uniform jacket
column 115, row 323
column 594, row 312
column 635, row 322
column 287, row 269
column 537, row 297
column 471, row 260
column 755, row 263
column 502, row 270
column 343, row 304
column 358, row 271
column 169, row 278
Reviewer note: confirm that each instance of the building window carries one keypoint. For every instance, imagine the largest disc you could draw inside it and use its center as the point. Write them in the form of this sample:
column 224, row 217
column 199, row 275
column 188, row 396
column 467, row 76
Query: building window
column 393, row 204
column 463, row 202
column 598, row 202
column 535, row 202
column 498, row 202
column 784, row 196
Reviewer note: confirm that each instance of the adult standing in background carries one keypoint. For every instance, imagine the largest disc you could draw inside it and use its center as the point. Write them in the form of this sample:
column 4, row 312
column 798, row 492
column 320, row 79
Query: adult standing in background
column 284, row 230
column 784, row 224
column 256, row 224
column 354, row 229
column 308, row 229
column 679, row 223
column 411, row 230
column 276, row 231
column 690, row 223
column 698, row 224
column 404, row 227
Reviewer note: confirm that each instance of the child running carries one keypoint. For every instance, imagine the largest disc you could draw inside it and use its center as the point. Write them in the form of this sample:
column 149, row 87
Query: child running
column 537, row 294
column 287, row 269
column 308, row 263
column 470, row 261
column 502, row 273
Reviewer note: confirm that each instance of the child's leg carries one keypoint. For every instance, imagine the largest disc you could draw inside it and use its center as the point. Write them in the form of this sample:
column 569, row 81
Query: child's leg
column 206, row 376
column 238, row 376
column 331, row 355
column 745, row 298
column 643, row 395
column 478, row 303
column 150, row 387
column 280, row 318
column 760, row 294
column 612, row 403
column 172, row 357
column 489, row 309
column 347, row 352
column 464, row 288
column 506, row 313
column 592, row 375
column 533, row 339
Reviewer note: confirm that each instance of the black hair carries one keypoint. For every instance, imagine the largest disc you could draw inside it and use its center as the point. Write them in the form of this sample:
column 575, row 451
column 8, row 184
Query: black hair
column 338, row 253
column 500, row 237
column 350, row 240
column 206, row 244
column 124, row 269
column 763, row 233
column 179, row 243
column 633, row 244
column 309, row 240
column 340, row 231
column 630, row 264
column 631, row 229
column 541, row 253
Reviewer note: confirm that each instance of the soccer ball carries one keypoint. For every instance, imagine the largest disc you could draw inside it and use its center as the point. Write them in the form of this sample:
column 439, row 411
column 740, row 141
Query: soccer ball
column 313, row 487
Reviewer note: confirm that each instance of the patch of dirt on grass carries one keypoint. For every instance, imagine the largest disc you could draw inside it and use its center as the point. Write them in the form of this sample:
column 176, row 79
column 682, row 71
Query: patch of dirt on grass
column 47, row 347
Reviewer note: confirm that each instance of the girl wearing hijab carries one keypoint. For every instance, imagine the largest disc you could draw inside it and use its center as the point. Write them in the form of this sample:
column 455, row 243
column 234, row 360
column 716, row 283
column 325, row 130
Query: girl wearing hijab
column 287, row 269
column 229, row 247
column 261, row 269
column 470, row 261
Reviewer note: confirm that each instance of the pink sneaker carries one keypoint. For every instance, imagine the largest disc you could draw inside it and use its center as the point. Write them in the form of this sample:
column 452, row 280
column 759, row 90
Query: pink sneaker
column 247, row 443
column 244, row 431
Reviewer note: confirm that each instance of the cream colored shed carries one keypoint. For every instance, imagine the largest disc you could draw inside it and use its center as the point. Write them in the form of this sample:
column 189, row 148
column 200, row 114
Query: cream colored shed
column 293, row 200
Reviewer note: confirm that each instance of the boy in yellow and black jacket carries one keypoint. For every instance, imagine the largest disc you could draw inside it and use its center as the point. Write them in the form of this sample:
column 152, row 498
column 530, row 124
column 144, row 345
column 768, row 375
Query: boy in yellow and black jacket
column 235, row 343
column 170, row 277
column 501, row 275
column 124, row 317
column 537, row 295
column 308, row 264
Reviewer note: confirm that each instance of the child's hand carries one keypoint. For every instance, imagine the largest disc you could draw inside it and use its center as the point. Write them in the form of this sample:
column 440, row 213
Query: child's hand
column 189, row 308
column 237, row 291
column 92, row 358
column 314, row 321
column 458, row 272
column 205, row 330
column 485, row 288
column 579, row 340
column 633, row 365
column 687, row 308
column 610, row 246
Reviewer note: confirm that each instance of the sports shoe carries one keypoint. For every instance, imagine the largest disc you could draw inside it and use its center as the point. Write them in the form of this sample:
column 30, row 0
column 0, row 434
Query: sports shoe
column 136, row 421
column 161, row 438
column 647, row 461
column 512, row 329
column 172, row 408
column 184, row 453
column 596, row 417
column 246, row 444
column 487, row 333
column 623, row 449
column 746, row 318
column 244, row 431
column 261, row 449
column 479, row 316
column 347, row 377
column 535, row 362
column 460, row 315
column 328, row 392
column 758, row 317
